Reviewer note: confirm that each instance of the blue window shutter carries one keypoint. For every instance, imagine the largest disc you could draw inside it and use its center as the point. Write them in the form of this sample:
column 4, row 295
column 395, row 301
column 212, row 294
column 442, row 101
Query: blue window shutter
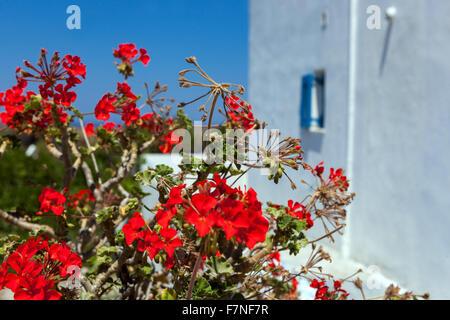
column 305, row 107
column 321, row 82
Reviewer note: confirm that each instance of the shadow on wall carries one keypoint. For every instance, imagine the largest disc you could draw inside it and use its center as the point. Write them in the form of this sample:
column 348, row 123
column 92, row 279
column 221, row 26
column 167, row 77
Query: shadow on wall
column 311, row 141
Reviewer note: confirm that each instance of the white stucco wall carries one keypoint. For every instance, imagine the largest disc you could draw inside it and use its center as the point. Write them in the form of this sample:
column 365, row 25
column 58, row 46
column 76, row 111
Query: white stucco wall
column 399, row 220
column 287, row 41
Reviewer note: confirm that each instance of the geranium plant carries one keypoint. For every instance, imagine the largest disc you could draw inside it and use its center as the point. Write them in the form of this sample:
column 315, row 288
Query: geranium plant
column 205, row 238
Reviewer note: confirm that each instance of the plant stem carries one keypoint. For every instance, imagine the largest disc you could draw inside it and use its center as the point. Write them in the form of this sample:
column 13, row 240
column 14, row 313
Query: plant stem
column 194, row 273
column 211, row 112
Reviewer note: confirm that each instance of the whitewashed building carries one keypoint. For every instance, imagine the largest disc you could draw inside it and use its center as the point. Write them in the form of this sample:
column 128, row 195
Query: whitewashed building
column 383, row 93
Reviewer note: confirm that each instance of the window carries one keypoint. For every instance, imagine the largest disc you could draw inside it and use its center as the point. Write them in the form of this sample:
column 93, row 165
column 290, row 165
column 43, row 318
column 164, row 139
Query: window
column 312, row 109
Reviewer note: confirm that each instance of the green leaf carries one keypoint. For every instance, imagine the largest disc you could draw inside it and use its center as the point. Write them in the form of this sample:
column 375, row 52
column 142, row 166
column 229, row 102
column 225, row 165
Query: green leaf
column 145, row 177
column 275, row 212
column 120, row 237
column 163, row 170
column 168, row 294
column 217, row 266
column 145, row 270
column 34, row 104
column 296, row 245
column 105, row 250
column 105, row 214
column 184, row 120
column 287, row 222
column 84, row 150
column 202, row 286
column 105, row 254
column 84, row 295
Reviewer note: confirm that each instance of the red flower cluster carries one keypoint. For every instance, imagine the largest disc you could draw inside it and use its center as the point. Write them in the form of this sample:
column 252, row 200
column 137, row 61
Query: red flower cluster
column 150, row 241
column 237, row 213
column 294, row 285
column 52, row 200
column 109, row 126
column 105, row 106
column 151, row 123
column 275, row 265
column 69, row 69
column 155, row 124
column 339, row 179
column 16, row 116
column 336, row 177
column 80, row 198
column 20, row 112
column 34, row 268
column 240, row 112
column 122, row 102
column 318, row 170
column 274, row 257
column 90, row 130
column 323, row 292
column 128, row 51
column 74, row 67
column 299, row 211
column 168, row 141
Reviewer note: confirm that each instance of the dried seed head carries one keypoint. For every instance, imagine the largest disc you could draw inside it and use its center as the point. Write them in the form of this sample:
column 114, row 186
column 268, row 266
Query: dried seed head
column 191, row 60
column 358, row 283
column 183, row 72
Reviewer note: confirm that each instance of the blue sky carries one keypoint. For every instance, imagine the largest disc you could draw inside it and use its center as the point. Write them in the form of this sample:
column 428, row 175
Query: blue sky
column 215, row 31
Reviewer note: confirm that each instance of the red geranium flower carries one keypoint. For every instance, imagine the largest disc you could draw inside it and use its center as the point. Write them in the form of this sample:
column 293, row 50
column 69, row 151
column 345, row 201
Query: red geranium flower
column 35, row 268
column 73, row 66
column 89, row 128
column 132, row 228
column 151, row 243
column 130, row 113
column 170, row 242
column 339, row 179
column 298, row 210
column 126, row 52
column 234, row 217
column 125, row 90
column 144, row 57
column 36, row 289
column 169, row 141
column 240, row 112
column 199, row 213
column 52, row 200
column 169, row 262
column 322, row 290
column 318, row 170
column 294, row 285
column 238, row 214
column 105, row 106
column 109, row 126
column 63, row 254
column 163, row 216
column 275, row 257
